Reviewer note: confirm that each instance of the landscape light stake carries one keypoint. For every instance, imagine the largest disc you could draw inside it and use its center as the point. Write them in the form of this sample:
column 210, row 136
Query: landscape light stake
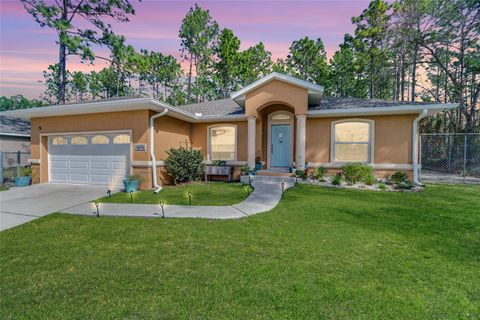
column 98, row 212
column 248, row 189
column 189, row 198
column 161, row 206
column 109, row 192
column 283, row 188
column 131, row 196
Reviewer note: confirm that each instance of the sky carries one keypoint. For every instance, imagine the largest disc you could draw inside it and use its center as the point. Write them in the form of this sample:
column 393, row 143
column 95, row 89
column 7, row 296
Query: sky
column 26, row 49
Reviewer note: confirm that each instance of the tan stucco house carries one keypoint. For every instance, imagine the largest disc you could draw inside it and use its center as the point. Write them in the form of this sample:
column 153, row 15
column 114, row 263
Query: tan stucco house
column 281, row 119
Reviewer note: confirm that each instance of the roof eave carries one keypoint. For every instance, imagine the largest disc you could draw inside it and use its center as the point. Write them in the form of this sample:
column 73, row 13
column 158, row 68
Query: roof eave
column 402, row 109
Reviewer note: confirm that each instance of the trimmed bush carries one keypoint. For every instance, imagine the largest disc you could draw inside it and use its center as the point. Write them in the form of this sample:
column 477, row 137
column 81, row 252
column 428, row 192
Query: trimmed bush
column 337, row 179
column 399, row 177
column 320, row 173
column 357, row 172
column 184, row 164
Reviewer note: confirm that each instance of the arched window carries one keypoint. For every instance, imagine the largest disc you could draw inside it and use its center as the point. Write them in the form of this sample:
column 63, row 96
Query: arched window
column 121, row 139
column 222, row 142
column 59, row 141
column 352, row 141
column 79, row 140
column 100, row 139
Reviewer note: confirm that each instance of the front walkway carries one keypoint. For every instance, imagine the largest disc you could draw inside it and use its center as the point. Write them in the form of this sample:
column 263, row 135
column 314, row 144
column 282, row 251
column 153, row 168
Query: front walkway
column 265, row 197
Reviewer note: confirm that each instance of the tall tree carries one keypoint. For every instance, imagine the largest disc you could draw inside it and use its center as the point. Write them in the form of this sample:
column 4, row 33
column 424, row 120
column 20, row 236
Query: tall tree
column 308, row 60
column 198, row 34
column 79, row 24
column 370, row 32
column 227, row 65
column 255, row 62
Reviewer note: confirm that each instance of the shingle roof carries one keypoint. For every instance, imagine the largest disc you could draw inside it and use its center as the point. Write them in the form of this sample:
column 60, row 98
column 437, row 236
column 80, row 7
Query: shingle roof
column 14, row 126
column 222, row 107
column 329, row 103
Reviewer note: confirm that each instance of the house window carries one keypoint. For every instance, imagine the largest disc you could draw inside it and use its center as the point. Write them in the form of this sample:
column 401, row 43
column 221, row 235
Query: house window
column 79, row 140
column 100, row 140
column 352, row 141
column 121, row 139
column 222, row 141
column 59, row 141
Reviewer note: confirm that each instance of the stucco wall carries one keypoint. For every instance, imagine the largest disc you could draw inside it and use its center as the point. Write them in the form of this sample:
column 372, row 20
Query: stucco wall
column 392, row 140
column 276, row 92
column 170, row 133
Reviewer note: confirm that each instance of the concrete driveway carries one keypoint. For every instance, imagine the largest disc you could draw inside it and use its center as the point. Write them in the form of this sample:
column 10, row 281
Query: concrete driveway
column 21, row 205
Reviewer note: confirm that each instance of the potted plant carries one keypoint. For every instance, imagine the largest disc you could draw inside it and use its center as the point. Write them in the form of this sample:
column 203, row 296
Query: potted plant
column 258, row 162
column 131, row 183
column 24, row 178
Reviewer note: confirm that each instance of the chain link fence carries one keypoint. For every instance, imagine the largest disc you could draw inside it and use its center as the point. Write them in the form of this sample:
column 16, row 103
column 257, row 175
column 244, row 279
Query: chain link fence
column 451, row 158
column 10, row 164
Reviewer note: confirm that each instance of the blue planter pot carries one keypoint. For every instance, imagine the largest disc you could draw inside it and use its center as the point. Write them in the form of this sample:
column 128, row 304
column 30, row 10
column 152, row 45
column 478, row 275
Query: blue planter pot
column 23, row 181
column 130, row 185
column 258, row 166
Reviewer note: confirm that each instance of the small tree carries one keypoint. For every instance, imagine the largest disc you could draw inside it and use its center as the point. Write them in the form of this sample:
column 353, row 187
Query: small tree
column 184, row 164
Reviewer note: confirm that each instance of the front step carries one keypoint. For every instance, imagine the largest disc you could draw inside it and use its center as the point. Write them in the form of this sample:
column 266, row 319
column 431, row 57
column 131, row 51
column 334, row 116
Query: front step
column 274, row 173
column 268, row 179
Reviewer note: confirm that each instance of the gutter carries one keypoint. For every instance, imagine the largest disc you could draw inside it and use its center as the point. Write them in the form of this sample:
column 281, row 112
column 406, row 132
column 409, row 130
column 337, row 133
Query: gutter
column 422, row 115
column 156, row 187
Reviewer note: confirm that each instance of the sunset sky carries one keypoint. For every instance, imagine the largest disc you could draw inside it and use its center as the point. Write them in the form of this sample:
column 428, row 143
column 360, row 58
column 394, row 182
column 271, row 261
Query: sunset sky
column 26, row 49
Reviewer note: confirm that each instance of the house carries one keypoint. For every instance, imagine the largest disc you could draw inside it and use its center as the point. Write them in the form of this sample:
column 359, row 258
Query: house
column 14, row 137
column 281, row 119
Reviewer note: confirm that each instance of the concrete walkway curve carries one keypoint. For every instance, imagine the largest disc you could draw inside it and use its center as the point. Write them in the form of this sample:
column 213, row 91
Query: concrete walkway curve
column 265, row 197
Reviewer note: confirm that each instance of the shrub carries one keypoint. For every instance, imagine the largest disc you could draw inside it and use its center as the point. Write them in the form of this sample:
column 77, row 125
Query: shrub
column 337, row 179
column 382, row 186
column 184, row 164
column 219, row 163
column 245, row 170
column 399, row 177
column 356, row 172
column 369, row 180
column 25, row 171
column 300, row 173
column 135, row 177
column 404, row 185
column 320, row 173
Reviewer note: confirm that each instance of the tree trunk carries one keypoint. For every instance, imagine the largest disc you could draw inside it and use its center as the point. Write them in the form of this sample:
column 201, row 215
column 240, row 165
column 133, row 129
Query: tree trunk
column 62, row 59
column 189, row 88
column 402, row 86
column 372, row 80
column 414, row 72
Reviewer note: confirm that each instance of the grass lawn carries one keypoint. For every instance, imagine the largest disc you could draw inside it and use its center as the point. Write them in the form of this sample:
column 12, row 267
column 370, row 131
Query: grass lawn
column 320, row 254
column 203, row 194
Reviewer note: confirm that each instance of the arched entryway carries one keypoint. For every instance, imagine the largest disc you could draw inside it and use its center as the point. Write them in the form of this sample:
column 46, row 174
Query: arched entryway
column 280, row 139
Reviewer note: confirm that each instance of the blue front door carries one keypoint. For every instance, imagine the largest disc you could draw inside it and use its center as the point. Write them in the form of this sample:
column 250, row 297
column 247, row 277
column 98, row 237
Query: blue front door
column 280, row 145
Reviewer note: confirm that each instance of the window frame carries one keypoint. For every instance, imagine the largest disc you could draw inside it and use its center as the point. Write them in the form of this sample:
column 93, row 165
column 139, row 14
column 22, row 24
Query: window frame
column 80, row 137
column 121, row 134
column 209, row 140
column 66, row 139
column 370, row 143
column 99, row 135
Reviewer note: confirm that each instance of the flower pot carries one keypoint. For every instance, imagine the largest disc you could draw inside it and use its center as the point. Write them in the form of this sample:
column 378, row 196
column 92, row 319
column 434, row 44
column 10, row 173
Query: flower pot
column 130, row 185
column 23, row 181
column 258, row 166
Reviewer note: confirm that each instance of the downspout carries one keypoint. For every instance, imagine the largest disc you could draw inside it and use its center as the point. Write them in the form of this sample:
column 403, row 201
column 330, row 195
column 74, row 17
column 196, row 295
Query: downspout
column 415, row 146
column 156, row 187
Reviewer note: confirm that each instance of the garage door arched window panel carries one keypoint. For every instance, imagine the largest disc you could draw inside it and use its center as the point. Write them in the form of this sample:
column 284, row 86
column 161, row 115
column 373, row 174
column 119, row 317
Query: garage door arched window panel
column 222, row 142
column 57, row 141
column 79, row 140
column 100, row 139
column 121, row 139
column 352, row 141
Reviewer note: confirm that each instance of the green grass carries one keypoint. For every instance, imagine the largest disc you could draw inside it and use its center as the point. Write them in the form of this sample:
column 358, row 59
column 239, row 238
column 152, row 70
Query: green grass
column 203, row 194
column 3, row 188
column 320, row 254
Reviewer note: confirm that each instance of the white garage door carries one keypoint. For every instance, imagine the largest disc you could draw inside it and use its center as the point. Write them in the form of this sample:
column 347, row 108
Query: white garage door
column 102, row 159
